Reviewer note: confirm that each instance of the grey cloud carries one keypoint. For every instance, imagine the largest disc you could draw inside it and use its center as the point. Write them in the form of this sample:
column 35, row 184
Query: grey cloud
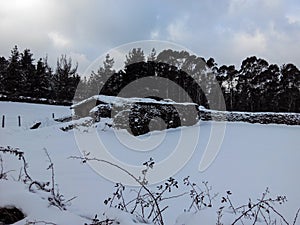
column 86, row 29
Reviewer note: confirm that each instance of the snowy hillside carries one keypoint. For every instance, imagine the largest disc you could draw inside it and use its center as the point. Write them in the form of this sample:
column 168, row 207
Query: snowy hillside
column 252, row 157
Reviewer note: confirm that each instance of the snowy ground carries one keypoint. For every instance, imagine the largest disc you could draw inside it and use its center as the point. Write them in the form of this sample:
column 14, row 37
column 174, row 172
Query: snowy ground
column 252, row 157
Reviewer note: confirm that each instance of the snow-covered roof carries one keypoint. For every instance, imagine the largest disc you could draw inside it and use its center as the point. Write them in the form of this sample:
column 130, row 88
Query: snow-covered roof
column 114, row 100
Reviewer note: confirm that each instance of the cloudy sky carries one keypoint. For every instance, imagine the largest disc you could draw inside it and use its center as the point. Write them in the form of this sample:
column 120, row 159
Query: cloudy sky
column 227, row 30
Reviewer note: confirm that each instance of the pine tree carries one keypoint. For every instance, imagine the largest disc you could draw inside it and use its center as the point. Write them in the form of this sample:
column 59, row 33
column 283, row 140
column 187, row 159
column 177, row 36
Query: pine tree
column 41, row 80
column 82, row 91
column 135, row 55
column 65, row 79
column 98, row 79
column 14, row 81
column 28, row 73
column 152, row 55
column 3, row 71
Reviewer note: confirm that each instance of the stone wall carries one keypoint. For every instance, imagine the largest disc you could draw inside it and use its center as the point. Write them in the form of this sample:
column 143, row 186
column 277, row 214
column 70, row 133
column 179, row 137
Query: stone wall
column 262, row 118
column 140, row 118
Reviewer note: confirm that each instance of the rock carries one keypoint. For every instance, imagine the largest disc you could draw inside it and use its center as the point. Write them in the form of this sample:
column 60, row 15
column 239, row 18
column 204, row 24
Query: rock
column 10, row 215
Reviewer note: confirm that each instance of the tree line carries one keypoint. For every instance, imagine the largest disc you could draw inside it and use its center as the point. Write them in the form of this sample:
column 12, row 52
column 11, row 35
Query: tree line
column 256, row 87
column 21, row 77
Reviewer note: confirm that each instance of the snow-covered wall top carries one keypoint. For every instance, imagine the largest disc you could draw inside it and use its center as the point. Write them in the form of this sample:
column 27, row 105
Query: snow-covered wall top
column 250, row 117
column 119, row 101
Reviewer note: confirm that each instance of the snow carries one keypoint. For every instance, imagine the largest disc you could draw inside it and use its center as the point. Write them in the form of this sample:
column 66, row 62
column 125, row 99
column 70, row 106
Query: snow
column 252, row 157
column 33, row 206
column 30, row 114
column 202, row 108
column 121, row 101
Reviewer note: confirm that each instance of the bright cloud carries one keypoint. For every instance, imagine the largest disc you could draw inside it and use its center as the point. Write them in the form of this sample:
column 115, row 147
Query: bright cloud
column 59, row 40
column 293, row 19
column 227, row 30
column 248, row 44
column 177, row 30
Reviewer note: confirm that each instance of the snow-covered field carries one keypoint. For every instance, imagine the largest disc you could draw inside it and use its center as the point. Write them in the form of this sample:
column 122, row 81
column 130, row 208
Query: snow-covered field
column 252, row 157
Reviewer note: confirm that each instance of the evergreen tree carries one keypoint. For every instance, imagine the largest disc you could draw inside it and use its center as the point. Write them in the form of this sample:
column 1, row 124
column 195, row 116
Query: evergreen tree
column 249, row 83
column 190, row 64
column 152, row 55
column 3, row 69
column 98, row 79
column 13, row 81
column 135, row 55
column 28, row 73
column 289, row 98
column 41, row 81
column 212, row 64
column 82, row 91
column 227, row 77
column 65, row 79
column 257, row 86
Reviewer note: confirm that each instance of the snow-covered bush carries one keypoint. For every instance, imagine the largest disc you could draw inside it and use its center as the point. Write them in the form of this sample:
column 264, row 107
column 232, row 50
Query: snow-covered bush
column 146, row 205
column 55, row 198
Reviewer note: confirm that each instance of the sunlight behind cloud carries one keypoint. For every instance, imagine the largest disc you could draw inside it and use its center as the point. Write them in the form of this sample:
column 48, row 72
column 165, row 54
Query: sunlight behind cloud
column 248, row 44
column 177, row 29
column 59, row 40
column 52, row 27
column 154, row 34
column 293, row 19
